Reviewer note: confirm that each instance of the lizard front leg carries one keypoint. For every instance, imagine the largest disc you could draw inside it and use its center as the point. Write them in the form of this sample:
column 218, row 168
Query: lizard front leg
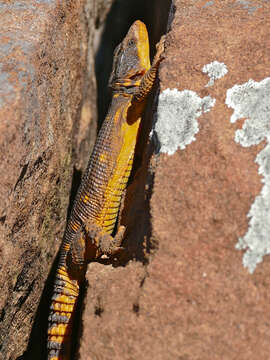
column 150, row 76
column 76, row 257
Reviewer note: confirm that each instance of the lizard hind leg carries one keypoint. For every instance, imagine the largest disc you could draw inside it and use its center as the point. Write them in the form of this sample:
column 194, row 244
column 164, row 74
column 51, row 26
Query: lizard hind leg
column 76, row 261
column 103, row 241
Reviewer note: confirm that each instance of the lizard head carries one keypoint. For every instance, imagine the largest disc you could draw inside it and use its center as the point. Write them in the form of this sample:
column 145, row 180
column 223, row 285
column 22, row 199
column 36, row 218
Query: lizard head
column 131, row 57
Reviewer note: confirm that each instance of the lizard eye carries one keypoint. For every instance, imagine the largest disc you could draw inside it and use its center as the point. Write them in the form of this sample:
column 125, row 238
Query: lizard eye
column 131, row 42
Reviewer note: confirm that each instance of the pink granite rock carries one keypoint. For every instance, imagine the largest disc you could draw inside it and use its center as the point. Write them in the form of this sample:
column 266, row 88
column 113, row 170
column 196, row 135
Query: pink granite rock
column 186, row 294
column 45, row 112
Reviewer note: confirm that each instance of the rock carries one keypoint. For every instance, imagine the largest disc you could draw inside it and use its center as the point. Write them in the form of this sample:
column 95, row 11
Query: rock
column 46, row 111
column 186, row 294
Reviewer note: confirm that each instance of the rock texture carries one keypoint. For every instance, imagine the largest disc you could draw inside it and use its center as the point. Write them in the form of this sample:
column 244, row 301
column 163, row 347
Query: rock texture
column 183, row 292
column 47, row 101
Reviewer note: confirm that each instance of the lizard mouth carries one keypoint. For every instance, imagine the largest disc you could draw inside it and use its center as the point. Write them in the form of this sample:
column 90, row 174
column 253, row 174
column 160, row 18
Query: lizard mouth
column 131, row 82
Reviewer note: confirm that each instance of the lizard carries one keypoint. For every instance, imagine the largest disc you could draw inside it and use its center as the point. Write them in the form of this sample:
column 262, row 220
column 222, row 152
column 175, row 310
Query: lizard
column 93, row 217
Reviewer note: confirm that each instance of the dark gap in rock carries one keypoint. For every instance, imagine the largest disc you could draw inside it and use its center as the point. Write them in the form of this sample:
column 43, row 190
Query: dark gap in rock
column 98, row 311
column 38, row 162
column 22, row 174
column 36, row 348
column 143, row 171
column 143, row 281
column 3, row 219
column 3, row 312
column 99, row 308
column 136, row 309
column 23, row 298
column 18, row 224
column 27, row 259
column 76, row 180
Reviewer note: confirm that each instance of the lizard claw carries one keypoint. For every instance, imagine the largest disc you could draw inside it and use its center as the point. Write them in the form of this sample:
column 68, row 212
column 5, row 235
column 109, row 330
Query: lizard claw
column 160, row 47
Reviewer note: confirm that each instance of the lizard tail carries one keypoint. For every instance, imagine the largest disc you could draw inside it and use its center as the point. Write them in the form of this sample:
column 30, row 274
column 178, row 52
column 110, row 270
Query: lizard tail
column 64, row 300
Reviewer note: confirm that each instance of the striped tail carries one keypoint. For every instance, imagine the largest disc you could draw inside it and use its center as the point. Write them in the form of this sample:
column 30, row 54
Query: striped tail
column 64, row 300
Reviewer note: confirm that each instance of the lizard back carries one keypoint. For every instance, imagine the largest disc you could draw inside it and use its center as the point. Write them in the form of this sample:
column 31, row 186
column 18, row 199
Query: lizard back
column 109, row 167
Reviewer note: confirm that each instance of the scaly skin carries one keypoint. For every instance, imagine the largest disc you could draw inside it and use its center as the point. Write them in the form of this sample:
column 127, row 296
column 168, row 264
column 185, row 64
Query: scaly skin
column 95, row 210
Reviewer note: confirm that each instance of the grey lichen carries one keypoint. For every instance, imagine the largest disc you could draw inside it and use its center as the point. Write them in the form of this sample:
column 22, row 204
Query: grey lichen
column 251, row 100
column 7, row 93
column 215, row 70
column 177, row 115
column 209, row 3
column 248, row 5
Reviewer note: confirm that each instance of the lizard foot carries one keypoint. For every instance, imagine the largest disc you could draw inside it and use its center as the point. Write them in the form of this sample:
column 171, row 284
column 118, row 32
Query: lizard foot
column 111, row 245
column 160, row 47
column 105, row 243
